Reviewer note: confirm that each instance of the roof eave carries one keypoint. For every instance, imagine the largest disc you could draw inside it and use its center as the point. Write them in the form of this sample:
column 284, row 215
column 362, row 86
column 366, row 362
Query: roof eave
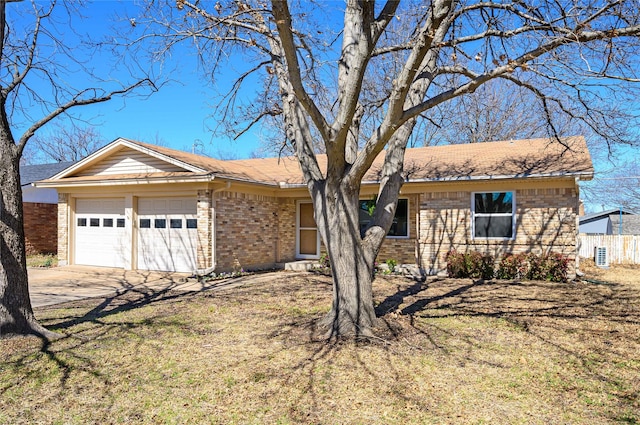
column 584, row 176
column 125, row 181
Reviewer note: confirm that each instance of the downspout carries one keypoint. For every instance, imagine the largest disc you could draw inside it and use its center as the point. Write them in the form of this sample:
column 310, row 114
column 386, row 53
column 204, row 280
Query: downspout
column 203, row 272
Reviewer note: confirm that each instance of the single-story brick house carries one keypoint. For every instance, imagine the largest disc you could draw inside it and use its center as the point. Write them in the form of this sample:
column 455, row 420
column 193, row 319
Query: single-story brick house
column 140, row 206
column 40, row 206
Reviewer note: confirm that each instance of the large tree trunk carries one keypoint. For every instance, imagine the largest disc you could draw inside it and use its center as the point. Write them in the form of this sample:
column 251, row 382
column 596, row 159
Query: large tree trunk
column 352, row 263
column 16, row 314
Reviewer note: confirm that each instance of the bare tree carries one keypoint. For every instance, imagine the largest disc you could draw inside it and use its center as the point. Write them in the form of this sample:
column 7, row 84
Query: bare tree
column 63, row 144
column 359, row 90
column 616, row 185
column 37, row 70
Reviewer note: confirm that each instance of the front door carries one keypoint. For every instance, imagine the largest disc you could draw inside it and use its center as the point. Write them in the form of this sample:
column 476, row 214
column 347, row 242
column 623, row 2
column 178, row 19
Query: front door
column 307, row 236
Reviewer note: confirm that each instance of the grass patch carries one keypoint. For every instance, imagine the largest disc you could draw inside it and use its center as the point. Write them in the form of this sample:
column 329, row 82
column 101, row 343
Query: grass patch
column 449, row 351
column 42, row 260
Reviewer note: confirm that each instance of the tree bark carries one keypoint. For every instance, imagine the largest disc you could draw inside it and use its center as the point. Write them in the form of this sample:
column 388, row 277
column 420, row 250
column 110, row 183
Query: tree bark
column 16, row 313
column 352, row 263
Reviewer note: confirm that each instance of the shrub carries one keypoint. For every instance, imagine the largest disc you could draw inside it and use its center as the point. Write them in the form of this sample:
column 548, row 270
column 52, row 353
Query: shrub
column 479, row 266
column 473, row 264
column 512, row 266
column 391, row 265
column 535, row 270
column 324, row 261
column 555, row 267
column 552, row 267
column 456, row 265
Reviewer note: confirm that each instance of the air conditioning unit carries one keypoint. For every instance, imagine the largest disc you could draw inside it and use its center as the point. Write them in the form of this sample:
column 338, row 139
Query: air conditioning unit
column 602, row 256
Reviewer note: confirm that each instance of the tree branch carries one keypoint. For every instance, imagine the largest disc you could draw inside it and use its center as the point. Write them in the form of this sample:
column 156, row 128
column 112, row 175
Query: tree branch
column 78, row 101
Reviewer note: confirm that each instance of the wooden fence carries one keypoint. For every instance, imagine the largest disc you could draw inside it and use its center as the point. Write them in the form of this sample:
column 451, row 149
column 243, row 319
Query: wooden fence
column 620, row 248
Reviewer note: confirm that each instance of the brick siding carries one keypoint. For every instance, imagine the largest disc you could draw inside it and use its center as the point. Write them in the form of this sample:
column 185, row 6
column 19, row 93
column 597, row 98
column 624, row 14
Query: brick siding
column 445, row 224
column 63, row 229
column 286, row 230
column 41, row 228
column 204, row 218
column 246, row 230
column 400, row 249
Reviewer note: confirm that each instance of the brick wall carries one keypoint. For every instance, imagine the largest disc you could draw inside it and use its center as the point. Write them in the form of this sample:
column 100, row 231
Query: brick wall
column 399, row 249
column 246, row 230
column 63, row 229
column 546, row 221
column 204, row 217
column 41, row 227
column 286, row 230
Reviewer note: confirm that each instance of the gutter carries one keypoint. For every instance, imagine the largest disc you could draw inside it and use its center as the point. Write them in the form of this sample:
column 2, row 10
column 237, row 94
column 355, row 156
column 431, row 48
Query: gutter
column 584, row 176
column 127, row 181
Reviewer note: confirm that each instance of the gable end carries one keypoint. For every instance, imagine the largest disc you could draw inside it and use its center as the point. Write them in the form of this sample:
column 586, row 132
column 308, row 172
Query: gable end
column 128, row 161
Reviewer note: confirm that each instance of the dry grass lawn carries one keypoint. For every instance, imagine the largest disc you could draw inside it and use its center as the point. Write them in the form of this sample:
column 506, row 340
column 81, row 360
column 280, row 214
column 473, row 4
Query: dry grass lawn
column 449, row 352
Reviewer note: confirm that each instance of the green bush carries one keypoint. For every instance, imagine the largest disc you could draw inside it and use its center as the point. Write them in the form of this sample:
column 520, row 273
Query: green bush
column 473, row 264
column 530, row 266
column 456, row 265
column 391, row 265
column 552, row 267
column 556, row 267
column 324, row 261
column 512, row 266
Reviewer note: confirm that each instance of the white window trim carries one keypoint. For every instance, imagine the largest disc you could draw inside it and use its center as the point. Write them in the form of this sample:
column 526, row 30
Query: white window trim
column 408, row 221
column 513, row 215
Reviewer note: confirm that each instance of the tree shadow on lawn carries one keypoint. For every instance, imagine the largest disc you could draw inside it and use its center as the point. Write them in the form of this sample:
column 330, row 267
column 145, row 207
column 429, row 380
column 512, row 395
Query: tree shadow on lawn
column 594, row 325
column 128, row 296
column 600, row 318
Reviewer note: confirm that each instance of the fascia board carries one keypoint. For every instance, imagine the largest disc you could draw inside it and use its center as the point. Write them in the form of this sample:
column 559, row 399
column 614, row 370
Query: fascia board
column 115, row 145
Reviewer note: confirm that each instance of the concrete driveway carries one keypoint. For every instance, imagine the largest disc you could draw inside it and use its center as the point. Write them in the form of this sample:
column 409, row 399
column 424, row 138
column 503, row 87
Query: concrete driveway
column 56, row 285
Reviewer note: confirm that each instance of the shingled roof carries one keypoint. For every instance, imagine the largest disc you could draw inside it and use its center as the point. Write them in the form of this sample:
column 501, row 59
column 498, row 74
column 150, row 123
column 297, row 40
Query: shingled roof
column 33, row 173
column 491, row 160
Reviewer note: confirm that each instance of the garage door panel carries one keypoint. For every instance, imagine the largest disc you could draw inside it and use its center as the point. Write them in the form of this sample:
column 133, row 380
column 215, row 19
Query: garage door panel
column 100, row 238
column 167, row 235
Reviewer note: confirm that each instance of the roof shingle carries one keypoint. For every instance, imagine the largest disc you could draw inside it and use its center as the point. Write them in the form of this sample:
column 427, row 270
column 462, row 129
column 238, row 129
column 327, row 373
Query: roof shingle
column 491, row 160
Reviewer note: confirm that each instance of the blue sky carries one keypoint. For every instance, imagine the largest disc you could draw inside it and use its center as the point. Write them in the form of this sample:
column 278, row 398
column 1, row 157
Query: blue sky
column 180, row 115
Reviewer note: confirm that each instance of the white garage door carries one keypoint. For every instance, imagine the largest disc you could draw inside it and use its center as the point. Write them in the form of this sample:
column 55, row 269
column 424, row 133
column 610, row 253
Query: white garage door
column 100, row 232
column 167, row 234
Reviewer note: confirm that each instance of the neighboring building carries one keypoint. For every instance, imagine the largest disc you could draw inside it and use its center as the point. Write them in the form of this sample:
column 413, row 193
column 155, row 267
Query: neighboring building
column 608, row 223
column 40, row 208
column 139, row 206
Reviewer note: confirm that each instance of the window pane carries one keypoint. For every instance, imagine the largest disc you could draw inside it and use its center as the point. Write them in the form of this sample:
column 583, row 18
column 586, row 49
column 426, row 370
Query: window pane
column 400, row 225
column 94, row 222
column 494, row 227
column 192, row 223
column 120, row 222
column 145, row 223
column 175, row 223
column 107, row 222
column 364, row 214
column 493, row 202
column 82, row 222
column 308, row 242
column 306, row 215
column 159, row 223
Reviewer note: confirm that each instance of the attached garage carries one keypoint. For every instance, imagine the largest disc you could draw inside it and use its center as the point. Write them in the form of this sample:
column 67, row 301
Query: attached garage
column 167, row 234
column 100, row 236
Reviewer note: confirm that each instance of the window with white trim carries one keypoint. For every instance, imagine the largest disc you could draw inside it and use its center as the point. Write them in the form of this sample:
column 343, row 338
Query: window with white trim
column 399, row 227
column 493, row 215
